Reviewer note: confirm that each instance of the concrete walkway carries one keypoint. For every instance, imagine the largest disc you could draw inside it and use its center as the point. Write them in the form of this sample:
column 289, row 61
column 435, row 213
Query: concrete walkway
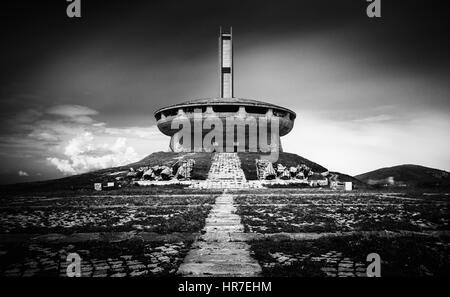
column 214, row 254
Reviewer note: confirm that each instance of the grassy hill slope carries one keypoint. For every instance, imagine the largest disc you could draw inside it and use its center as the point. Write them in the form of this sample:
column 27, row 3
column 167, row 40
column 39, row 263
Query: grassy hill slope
column 411, row 175
column 347, row 178
column 202, row 165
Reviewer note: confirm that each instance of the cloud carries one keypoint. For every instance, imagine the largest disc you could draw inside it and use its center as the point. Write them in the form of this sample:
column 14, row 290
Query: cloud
column 374, row 119
column 83, row 154
column 69, row 140
column 22, row 173
column 62, row 165
column 137, row 132
column 76, row 113
column 71, row 110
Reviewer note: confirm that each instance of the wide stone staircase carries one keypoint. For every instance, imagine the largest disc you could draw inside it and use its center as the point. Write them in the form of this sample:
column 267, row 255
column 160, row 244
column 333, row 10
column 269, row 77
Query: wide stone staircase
column 225, row 173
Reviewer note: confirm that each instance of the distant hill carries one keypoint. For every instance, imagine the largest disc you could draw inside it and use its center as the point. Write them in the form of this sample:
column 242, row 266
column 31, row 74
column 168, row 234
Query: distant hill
column 407, row 175
column 347, row 178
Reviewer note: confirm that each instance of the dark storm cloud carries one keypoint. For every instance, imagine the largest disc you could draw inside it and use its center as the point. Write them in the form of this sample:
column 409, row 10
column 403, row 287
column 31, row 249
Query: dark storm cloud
column 155, row 52
column 123, row 61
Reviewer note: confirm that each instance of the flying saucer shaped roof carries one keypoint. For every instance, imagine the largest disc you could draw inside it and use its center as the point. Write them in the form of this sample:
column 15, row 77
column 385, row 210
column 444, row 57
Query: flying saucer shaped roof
column 224, row 101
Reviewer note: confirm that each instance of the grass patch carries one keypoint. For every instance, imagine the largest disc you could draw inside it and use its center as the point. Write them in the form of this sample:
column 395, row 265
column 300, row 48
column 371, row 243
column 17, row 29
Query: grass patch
column 274, row 214
column 67, row 220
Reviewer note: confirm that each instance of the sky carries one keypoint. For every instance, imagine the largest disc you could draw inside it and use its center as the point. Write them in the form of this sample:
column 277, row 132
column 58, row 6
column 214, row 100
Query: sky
column 79, row 94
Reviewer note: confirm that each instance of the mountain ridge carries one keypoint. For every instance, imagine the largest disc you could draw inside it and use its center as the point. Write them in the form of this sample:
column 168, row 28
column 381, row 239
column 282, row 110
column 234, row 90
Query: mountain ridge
column 407, row 175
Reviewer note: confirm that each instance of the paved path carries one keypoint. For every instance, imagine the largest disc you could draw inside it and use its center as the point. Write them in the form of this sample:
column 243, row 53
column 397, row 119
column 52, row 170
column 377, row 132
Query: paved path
column 214, row 254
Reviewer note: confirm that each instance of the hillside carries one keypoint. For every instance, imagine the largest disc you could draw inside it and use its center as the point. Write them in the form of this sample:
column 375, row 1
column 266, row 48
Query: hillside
column 347, row 178
column 86, row 180
column 409, row 175
column 287, row 159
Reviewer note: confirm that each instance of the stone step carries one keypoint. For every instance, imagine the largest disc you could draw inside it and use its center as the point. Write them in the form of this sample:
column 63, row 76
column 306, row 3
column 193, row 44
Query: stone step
column 230, row 251
column 220, row 258
column 225, row 172
column 221, row 269
column 224, row 228
column 215, row 222
column 222, row 221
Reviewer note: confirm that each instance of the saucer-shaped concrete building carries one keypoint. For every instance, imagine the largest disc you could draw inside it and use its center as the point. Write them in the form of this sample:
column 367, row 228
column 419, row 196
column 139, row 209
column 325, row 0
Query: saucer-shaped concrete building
column 225, row 123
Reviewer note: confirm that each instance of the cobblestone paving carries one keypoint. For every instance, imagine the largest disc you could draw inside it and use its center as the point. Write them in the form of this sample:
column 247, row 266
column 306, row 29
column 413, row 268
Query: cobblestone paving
column 333, row 264
column 119, row 236
column 345, row 256
column 141, row 229
column 98, row 259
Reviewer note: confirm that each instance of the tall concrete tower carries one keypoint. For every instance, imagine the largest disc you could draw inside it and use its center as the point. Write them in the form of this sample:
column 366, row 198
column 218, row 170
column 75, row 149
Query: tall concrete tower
column 226, row 63
column 247, row 125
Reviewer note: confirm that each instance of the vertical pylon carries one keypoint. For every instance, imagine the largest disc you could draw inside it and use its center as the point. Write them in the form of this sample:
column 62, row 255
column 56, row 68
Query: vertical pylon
column 226, row 63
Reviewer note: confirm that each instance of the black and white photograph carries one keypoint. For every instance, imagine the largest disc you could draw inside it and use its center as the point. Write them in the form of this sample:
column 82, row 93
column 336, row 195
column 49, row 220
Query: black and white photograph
column 183, row 142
